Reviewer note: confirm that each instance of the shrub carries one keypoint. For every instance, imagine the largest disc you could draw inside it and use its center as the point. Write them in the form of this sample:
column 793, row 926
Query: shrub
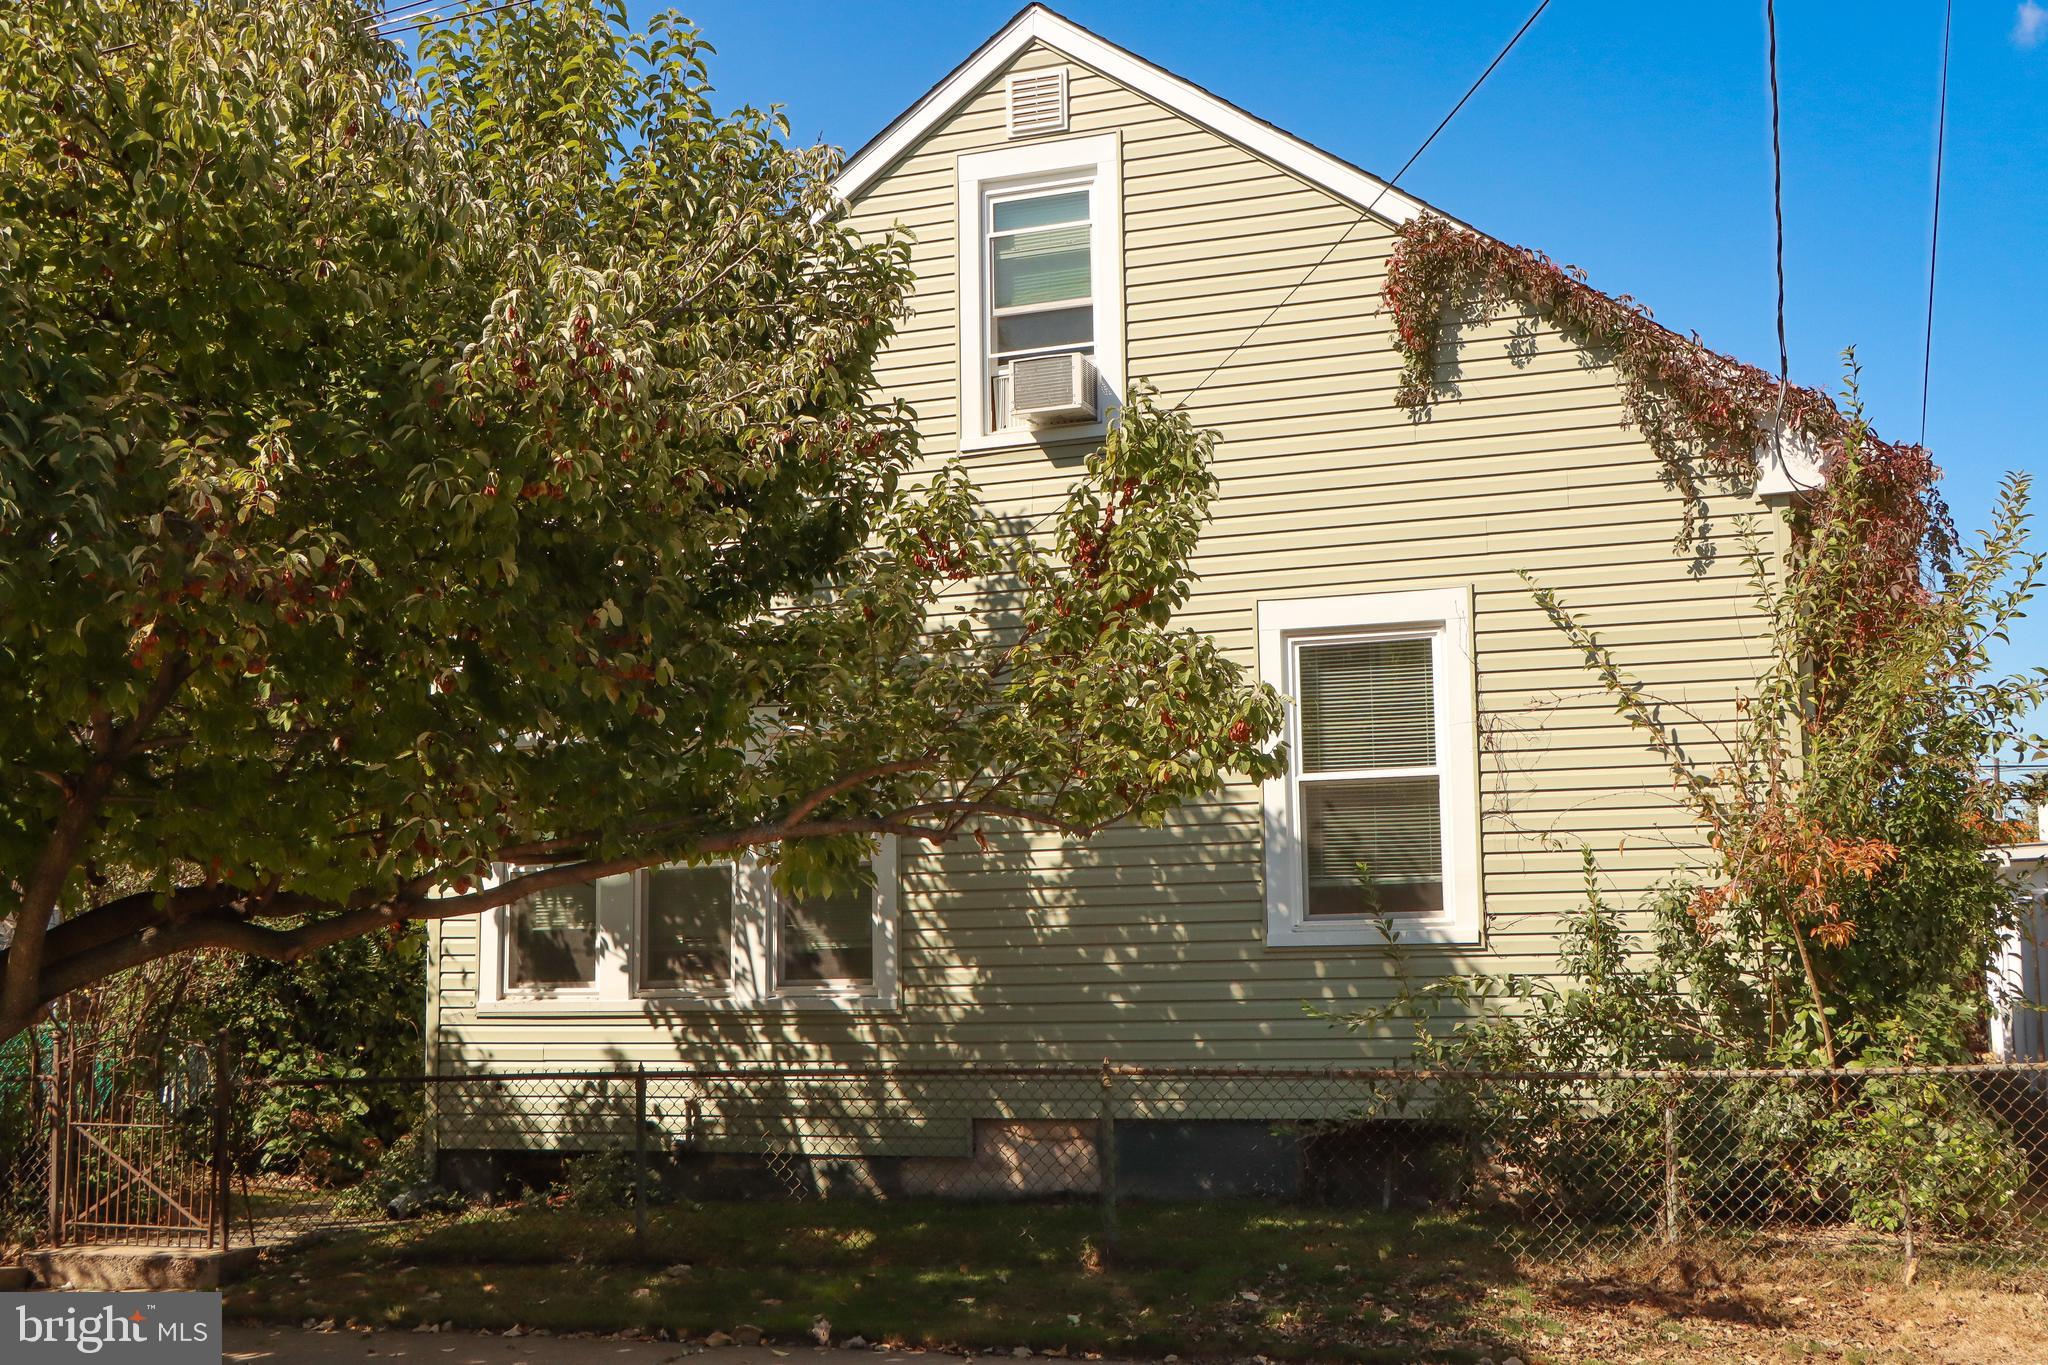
column 593, row 1182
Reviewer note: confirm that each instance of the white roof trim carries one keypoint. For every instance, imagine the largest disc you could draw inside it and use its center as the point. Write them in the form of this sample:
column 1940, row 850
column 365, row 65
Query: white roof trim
column 1039, row 24
column 2021, row 853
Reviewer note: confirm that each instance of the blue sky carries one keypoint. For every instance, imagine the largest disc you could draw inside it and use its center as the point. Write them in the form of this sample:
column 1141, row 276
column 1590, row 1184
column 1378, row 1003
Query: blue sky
column 1630, row 139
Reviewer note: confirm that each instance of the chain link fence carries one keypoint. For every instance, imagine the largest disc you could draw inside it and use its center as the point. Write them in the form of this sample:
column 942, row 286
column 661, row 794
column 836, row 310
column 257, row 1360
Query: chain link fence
column 25, row 1112
column 1942, row 1165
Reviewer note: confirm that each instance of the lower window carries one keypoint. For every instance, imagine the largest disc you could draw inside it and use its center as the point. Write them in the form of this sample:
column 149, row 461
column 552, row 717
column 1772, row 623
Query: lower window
column 1375, row 822
column 826, row 943
column 685, row 938
column 554, row 943
column 551, row 942
column 716, row 932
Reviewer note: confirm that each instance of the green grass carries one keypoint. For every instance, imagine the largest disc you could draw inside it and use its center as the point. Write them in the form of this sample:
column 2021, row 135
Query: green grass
column 1216, row 1279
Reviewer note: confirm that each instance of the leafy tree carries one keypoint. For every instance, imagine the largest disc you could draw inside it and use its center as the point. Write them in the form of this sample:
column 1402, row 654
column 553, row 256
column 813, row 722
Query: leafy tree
column 1849, row 902
column 408, row 470
column 1845, row 905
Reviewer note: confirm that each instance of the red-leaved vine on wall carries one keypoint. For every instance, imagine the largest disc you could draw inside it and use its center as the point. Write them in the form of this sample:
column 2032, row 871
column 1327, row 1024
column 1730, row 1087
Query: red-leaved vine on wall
column 1857, row 745
column 1709, row 417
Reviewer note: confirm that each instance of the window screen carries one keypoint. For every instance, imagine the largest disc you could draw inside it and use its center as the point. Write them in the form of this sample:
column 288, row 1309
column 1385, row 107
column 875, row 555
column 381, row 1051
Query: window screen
column 686, row 938
column 553, row 938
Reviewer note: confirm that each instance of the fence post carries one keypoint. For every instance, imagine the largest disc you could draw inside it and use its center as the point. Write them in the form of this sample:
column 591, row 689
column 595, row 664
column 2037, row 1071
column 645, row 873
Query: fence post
column 640, row 1159
column 60, row 1095
column 1912, row 1268
column 223, row 1117
column 1670, row 1167
column 1105, row 1154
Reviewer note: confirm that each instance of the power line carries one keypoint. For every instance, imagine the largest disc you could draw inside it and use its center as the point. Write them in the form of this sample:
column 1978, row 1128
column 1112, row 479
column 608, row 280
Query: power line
column 414, row 15
column 415, row 22
column 1934, row 237
column 392, row 12
column 1778, row 215
column 1366, row 212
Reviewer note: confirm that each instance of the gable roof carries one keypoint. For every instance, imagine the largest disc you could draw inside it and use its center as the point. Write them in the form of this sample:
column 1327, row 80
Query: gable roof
column 1037, row 24
column 1791, row 465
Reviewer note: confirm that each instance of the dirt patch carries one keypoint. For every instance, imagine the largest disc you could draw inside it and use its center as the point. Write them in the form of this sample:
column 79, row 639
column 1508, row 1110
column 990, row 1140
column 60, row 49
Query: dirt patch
column 297, row 1346
column 1608, row 1320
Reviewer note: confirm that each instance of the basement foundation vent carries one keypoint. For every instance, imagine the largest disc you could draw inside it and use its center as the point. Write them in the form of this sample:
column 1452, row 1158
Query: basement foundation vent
column 1038, row 102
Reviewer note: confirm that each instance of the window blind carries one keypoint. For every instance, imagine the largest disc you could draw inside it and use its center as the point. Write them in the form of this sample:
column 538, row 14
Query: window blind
column 554, row 938
column 1046, row 266
column 1367, row 704
column 1389, row 826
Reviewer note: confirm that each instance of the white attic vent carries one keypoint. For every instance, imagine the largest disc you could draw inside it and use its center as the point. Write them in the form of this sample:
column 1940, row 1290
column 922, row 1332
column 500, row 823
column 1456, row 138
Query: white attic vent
column 1038, row 102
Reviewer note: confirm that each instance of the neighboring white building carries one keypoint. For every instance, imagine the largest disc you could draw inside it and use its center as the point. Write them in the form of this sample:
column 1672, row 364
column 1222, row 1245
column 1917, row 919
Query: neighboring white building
column 2019, row 979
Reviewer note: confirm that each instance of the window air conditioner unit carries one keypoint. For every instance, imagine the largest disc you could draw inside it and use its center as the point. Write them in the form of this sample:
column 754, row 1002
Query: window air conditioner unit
column 1046, row 390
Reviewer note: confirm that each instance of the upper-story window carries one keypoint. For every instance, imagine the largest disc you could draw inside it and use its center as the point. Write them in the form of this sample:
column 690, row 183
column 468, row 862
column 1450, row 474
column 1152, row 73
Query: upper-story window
column 1041, row 293
column 1376, row 818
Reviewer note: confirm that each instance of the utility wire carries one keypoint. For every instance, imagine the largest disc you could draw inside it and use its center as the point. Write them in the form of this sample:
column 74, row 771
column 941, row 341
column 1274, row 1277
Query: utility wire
column 415, row 22
column 414, row 15
column 1778, row 215
column 394, row 12
column 1366, row 212
column 1934, row 237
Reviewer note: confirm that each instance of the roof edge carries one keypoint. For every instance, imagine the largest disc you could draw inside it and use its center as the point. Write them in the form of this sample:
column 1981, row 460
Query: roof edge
column 1036, row 23
column 1789, row 466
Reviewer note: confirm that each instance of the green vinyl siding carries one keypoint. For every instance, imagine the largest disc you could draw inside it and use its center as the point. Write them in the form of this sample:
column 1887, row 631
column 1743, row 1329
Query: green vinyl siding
column 1147, row 945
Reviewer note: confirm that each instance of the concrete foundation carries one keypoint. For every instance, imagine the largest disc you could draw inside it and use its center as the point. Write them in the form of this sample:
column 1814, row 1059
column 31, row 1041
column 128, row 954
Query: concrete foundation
column 1386, row 1164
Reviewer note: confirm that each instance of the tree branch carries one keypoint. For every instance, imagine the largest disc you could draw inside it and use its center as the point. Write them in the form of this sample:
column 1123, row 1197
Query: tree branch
column 43, row 890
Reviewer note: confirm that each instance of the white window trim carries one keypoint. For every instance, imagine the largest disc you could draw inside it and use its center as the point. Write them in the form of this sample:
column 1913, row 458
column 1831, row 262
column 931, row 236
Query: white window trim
column 609, row 980
column 1447, row 614
column 1099, row 160
column 737, row 967
column 621, row 904
column 883, row 993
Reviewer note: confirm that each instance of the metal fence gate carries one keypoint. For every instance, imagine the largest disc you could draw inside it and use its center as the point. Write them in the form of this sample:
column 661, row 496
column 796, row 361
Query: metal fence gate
column 136, row 1162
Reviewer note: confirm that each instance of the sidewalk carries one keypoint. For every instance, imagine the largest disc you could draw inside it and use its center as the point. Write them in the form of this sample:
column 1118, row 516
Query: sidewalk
column 291, row 1346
